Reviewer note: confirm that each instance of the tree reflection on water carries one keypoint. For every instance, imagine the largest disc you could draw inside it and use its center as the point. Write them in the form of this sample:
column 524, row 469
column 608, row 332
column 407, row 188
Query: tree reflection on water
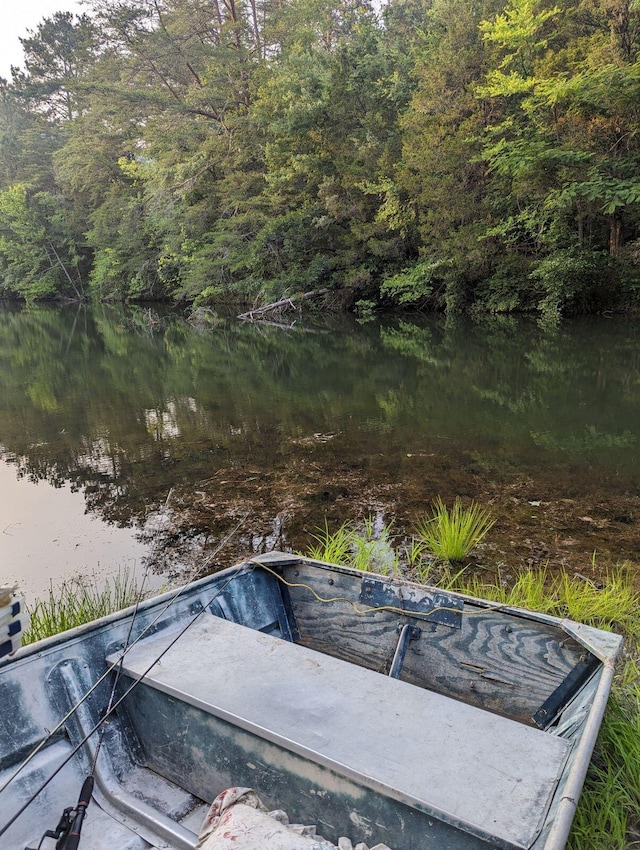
column 331, row 420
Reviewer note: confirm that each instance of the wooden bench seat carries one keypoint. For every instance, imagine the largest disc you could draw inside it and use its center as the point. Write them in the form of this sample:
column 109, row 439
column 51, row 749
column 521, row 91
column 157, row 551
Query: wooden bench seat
column 484, row 773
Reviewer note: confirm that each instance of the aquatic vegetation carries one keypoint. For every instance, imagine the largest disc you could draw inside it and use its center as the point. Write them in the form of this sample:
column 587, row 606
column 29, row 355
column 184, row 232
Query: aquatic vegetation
column 529, row 590
column 76, row 602
column 370, row 549
column 589, row 440
column 452, row 534
column 612, row 604
column 416, row 561
column 365, row 547
column 333, row 547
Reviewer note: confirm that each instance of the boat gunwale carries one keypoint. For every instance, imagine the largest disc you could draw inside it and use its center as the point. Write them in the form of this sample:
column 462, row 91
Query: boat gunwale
column 606, row 649
column 605, row 645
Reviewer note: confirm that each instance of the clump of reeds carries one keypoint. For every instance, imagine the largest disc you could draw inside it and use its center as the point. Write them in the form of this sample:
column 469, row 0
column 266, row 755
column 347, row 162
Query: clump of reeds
column 77, row 601
column 451, row 534
column 361, row 547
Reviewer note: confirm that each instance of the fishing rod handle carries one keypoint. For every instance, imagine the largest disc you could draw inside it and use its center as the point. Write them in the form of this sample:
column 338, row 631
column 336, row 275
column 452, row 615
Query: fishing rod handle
column 72, row 840
column 86, row 791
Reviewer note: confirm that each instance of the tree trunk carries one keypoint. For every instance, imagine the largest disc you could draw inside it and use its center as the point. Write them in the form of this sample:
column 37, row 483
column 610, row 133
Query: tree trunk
column 281, row 305
column 615, row 232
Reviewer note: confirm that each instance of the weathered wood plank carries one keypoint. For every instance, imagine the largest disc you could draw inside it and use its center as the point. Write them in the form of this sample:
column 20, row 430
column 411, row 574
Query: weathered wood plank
column 496, row 661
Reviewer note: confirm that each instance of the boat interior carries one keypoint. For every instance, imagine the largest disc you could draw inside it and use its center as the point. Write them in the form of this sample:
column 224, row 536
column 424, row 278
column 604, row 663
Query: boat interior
column 376, row 709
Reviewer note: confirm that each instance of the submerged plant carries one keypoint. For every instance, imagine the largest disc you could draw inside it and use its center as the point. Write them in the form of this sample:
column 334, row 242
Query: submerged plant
column 76, row 602
column 452, row 534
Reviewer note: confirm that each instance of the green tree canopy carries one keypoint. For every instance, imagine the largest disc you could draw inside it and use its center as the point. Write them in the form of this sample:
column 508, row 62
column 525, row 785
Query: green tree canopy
column 431, row 154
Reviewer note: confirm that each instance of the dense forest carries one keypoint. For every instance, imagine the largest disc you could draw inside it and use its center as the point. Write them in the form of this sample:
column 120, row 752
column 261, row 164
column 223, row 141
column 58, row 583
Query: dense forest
column 441, row 154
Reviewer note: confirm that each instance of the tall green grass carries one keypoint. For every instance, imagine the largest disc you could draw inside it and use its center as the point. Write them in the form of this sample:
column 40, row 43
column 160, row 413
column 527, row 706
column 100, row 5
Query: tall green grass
column 76, row 602
column 613, row 604
column 452, row 534
column 608, row 814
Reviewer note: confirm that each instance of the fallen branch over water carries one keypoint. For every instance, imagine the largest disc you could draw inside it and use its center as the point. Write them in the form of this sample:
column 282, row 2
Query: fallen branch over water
column 281, row 305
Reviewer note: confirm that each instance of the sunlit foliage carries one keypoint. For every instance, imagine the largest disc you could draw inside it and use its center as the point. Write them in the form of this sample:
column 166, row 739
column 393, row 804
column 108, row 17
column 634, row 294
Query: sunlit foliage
column 431, row 154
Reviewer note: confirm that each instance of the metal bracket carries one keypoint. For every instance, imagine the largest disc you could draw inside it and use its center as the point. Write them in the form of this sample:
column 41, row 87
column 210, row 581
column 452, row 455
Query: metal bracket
column 565, row 691
column 407, row 634
column 427, row 603
column 284, row 610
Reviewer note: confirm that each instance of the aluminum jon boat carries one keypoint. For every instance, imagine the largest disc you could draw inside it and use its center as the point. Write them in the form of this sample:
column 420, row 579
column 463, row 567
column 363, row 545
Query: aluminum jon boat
column 375, row 708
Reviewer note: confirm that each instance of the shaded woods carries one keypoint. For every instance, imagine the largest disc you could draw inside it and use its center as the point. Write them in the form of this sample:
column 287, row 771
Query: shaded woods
column 432, row 154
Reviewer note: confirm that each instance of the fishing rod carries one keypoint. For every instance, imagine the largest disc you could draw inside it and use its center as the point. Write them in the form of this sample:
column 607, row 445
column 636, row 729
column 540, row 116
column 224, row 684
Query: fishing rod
column 120, row 665
column 100, row 723
column 67, row 833
column 61, row 724
column 115, row 705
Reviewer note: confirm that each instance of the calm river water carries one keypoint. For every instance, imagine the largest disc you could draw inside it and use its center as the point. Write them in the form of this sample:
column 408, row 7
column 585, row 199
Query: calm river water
column 120, row 429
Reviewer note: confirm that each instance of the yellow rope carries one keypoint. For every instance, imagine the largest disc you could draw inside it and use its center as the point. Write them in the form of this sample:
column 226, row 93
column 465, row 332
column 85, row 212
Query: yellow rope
column 420, row 615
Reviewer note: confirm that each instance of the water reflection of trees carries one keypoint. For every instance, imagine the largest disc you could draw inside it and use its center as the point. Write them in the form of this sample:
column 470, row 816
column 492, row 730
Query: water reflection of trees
column 578, row 385
column 125, row 408
column 127, row 405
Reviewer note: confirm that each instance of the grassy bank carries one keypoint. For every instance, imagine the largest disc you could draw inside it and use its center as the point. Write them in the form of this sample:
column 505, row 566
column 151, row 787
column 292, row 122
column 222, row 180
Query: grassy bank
column 76, row 602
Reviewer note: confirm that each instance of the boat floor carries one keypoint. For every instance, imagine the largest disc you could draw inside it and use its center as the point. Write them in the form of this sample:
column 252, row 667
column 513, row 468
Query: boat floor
column 111, row 820
column 100, row 824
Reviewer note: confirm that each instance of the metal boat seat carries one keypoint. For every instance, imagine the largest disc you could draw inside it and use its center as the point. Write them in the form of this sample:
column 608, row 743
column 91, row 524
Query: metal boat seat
column 458, row 764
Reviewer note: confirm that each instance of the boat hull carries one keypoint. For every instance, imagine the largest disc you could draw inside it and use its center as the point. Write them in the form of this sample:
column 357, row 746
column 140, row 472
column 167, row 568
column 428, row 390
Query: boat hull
column 275, row 675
